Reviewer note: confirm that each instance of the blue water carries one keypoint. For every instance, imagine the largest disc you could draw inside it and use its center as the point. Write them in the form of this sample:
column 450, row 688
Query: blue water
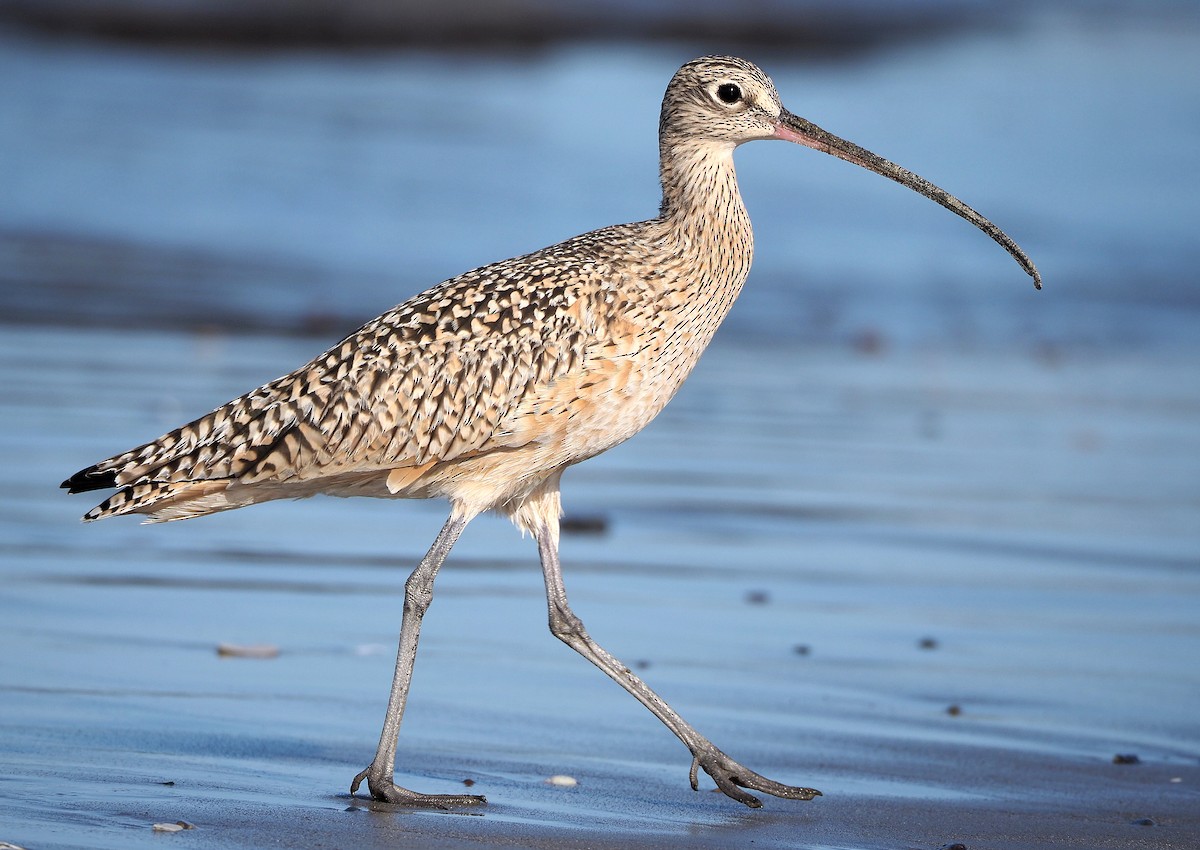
column 301, row 189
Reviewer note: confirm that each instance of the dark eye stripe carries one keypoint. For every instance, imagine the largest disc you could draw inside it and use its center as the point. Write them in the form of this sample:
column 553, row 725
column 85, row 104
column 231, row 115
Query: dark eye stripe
column 729, row 93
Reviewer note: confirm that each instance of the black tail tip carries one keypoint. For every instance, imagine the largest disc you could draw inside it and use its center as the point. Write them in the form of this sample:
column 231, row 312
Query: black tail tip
column 90, row 479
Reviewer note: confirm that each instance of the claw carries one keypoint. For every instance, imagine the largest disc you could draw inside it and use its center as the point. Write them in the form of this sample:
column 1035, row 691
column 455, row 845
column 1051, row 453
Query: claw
column 358, row 780
column 728, row 785
column 729, row 775
column 385, row 790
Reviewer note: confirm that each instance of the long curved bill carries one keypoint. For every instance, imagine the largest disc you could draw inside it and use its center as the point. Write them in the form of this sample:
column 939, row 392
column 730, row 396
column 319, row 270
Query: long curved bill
column 793, row 128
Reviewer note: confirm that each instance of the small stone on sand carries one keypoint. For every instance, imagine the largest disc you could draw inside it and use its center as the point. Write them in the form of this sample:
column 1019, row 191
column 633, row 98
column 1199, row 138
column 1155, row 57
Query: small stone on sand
column 177, row 826
column 366, row 649
column 562, row 780
column 583, row 524
column 254, row 650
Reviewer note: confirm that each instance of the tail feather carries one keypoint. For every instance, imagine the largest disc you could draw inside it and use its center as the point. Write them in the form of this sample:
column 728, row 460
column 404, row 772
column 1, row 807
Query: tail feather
column 194, row 461
column 92, row 478
column 164, row 501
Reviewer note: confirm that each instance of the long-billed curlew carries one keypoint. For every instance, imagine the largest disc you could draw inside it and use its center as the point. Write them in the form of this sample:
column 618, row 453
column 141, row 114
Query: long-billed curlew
column 483, row 389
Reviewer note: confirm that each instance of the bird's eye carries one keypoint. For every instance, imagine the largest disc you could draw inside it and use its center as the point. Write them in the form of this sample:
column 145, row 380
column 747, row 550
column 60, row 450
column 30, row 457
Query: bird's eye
column 729, row 93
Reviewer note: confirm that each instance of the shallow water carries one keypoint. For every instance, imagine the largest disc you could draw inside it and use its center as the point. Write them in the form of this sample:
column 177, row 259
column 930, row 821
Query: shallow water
column 294, row 190
column 906, row 444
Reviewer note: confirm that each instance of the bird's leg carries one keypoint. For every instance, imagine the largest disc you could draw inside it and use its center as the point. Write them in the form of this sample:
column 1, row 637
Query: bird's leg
column 567, row 627
column 418, row 593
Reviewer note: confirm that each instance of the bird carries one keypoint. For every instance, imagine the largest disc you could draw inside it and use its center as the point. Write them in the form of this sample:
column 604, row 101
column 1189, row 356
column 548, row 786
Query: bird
column 485, row 388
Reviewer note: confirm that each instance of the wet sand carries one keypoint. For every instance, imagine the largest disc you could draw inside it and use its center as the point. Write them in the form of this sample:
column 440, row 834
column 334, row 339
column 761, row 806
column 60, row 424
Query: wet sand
column 812, row 562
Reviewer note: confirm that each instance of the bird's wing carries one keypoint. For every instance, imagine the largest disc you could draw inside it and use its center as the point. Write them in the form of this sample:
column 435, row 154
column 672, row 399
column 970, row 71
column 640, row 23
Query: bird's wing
column 430, row 380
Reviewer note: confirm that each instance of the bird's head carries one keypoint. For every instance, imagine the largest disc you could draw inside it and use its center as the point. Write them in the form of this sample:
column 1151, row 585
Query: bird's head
column 724, row 101
column 720, row 99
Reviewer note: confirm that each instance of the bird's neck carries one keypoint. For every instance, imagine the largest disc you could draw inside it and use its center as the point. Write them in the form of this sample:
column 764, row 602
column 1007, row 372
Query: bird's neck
column 702, row 207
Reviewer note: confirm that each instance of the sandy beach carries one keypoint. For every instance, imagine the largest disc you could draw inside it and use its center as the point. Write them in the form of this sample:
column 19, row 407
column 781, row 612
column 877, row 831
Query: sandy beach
column 924, row 540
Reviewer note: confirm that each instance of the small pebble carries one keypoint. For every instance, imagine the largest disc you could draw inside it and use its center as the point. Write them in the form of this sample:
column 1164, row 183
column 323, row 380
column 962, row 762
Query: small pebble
column 1142, row 822
column 642, row 664
column 1126, row 758
column 259, row 650
column 468, row 782
column 177, row 826
column 801, row 649
column 758, row 597
column 562, row 780
column 594, row 524
column 954, row 710
column 367, row 649
column 1176, row 779
column 869, row 341
column 927, row 643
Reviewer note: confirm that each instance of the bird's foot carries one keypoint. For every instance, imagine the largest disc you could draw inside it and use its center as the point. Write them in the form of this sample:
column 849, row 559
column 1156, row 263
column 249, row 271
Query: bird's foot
column 384, row 789
column 728, row 775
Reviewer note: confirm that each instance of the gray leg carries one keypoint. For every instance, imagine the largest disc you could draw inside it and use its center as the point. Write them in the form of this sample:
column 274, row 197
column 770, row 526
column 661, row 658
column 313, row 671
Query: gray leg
column 726, row 772
column 418, row 593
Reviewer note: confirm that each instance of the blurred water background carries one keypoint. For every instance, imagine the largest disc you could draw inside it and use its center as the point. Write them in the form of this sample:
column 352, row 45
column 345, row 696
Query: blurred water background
column 186, row 185
column 892, row 435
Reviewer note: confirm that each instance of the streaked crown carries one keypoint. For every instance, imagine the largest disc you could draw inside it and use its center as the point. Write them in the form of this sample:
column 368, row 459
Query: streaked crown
column 721, row 99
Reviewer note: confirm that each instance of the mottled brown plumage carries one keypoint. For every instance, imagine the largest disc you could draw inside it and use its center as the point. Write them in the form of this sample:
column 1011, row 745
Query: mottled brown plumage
column 483, row 389
column 556, row 356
